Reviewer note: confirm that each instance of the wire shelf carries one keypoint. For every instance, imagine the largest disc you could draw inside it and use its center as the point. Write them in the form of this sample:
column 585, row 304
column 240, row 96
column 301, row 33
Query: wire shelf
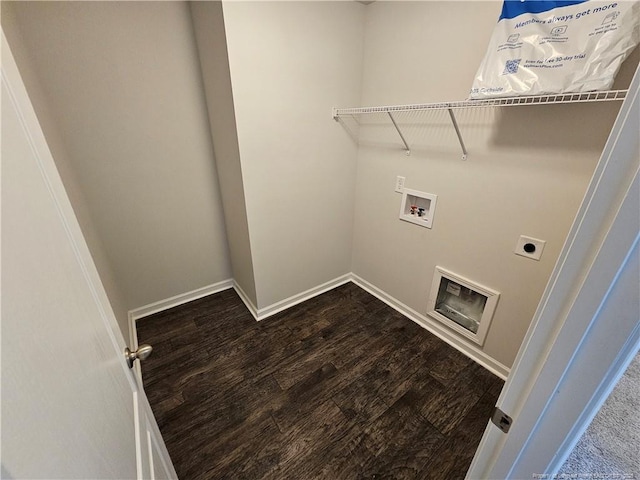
column 603, row 96
column 550, row 99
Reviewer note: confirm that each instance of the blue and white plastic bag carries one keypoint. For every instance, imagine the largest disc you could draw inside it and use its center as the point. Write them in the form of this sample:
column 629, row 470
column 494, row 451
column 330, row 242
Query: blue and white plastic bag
column 546, row 47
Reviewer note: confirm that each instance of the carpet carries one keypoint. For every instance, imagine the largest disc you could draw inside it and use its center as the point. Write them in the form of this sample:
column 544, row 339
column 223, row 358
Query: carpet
column 610, row 447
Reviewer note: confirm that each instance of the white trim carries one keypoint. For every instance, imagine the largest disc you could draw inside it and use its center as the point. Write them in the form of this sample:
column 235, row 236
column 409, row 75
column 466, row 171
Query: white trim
column 133, row 332
column 608, row 383
column 303, row 296
column 19, row 96
column 133, row 345
column 436, row 328
column 180, row 299
column 605, row 312
column 440, row 331
column 245, row 299
column 486, row 315
column 162, row 305
column 265, row 312
column 137, row 433
column 543, row 377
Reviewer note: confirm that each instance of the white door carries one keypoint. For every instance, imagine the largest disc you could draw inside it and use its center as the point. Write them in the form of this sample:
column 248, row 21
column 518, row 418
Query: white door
column 71, row 408
column 587, row 327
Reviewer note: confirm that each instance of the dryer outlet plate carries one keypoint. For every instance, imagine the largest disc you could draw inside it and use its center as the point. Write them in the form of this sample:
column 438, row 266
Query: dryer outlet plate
column 529, row 247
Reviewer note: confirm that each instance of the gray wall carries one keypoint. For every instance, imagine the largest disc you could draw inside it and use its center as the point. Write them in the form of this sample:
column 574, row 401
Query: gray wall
column 58, row 150
column 290, row 63
column 527, row 171
column 119, row 90
column 121, row 84
column 208, row 25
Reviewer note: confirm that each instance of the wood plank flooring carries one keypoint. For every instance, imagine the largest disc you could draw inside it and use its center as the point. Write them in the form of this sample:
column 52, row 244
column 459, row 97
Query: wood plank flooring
column 338, row 387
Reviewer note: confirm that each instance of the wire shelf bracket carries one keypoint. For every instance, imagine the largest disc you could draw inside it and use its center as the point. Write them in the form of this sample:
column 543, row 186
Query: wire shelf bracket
column 561, row 98
column 406, row 145
column 457, row 129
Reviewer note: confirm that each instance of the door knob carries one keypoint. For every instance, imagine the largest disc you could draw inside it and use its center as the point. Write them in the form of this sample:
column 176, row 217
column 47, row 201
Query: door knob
column 141, row 353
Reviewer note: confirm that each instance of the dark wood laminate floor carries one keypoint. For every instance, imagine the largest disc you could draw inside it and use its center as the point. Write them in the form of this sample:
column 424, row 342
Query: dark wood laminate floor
column 339, row 387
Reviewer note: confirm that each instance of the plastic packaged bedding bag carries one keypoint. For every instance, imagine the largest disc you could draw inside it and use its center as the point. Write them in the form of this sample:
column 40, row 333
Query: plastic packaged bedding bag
column 556, row 47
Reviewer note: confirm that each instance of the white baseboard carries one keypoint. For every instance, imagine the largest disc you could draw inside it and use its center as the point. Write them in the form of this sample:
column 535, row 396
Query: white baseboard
column 265, row 312
column 246, row 300
column 434, row 327
column 176, row 300
column 429, row 324
column 166, row 304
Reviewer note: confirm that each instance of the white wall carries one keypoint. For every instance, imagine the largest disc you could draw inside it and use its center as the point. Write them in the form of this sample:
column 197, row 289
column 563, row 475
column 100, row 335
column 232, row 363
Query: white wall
column 208, row 25
column 125, row 88
column 526, row 174
column 290, row 63
column 122, row 81
column 58, row 151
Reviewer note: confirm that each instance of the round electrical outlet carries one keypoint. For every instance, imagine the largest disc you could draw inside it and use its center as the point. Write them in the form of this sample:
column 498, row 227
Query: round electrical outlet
column 529, row 247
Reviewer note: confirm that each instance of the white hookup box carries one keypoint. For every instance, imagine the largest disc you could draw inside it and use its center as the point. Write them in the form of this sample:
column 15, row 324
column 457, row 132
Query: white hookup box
column 549, row 47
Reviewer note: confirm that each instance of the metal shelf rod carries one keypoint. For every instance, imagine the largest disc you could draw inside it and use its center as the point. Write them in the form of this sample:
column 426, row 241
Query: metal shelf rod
column 406, row 145
column 455, row 125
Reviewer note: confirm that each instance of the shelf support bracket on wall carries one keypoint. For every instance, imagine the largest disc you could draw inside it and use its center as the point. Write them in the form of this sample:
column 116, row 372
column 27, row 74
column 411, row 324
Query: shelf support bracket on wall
column 406, row 145
column 455, row 126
